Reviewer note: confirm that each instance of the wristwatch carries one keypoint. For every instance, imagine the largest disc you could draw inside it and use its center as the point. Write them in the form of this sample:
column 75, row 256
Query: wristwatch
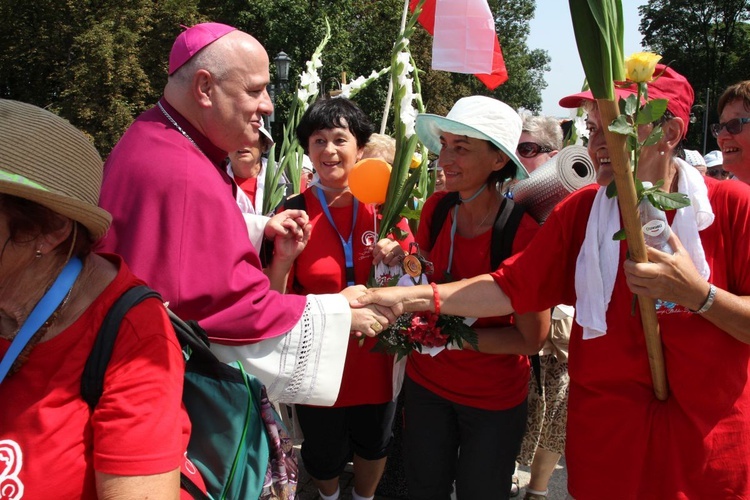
column 709, row 301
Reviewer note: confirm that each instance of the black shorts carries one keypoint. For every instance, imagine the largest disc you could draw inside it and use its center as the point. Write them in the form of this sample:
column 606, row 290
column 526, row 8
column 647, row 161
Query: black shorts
column 332, row 435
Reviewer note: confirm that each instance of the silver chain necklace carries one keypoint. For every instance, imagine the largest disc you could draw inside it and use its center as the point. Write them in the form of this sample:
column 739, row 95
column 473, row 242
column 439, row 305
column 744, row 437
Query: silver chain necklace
column 173, row 122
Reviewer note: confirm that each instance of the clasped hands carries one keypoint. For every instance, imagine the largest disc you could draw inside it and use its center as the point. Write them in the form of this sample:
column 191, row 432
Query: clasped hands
column 374, row 309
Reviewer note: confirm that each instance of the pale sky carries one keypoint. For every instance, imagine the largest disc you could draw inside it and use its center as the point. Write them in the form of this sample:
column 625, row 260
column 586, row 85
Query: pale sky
column 552, row 30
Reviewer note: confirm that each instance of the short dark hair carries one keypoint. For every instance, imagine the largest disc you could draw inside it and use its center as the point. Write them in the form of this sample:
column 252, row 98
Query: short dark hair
column 738, row 91
column 506, row 173
column 334, row 112
column 27, row 220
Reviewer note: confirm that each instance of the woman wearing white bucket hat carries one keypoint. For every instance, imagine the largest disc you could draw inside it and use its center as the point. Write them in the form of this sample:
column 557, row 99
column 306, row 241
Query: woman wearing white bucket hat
column 466, row 410
column 54, row 295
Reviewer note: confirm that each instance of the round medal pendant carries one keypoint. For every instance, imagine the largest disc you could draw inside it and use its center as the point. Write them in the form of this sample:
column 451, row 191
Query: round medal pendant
column 412, row 265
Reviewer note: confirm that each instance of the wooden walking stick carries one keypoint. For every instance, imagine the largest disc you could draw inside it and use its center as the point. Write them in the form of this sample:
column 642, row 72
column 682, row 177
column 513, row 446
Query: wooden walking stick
column 627, row 200
column 599, row 31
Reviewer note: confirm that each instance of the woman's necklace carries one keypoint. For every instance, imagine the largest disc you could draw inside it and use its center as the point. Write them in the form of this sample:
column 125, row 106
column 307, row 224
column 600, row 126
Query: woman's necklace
column 454, row 226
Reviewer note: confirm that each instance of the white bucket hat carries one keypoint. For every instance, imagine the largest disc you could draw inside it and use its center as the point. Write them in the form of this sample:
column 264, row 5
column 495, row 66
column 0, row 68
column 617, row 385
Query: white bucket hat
column 714, row 158
column 694, row 158
column 479, row 117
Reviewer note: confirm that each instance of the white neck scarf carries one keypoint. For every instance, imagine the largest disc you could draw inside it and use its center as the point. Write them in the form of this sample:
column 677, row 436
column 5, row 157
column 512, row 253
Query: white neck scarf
column 596, row 267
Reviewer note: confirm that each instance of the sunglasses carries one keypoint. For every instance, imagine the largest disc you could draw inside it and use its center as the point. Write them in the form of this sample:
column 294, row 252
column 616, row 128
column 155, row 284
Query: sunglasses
column 734, row 126
column 531, row 149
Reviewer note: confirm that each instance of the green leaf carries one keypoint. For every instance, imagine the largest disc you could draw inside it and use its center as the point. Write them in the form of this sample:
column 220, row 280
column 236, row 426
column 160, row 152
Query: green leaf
column 611, row 190
column 619, row 235
column 654, row 136
column 669, row 201
column 410, row 213
column 652, row 111
column 621, row 126
column 399, row 233
column 631, row 104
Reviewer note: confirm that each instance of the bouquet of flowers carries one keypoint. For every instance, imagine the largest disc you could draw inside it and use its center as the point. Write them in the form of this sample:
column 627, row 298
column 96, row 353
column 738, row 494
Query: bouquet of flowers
column 423, row 331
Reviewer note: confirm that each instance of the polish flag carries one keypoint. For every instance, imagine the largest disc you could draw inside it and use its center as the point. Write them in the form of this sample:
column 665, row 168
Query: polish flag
column 464, row 39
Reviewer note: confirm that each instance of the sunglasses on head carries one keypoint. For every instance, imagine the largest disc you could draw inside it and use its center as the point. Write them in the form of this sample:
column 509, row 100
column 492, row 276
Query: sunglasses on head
column 531, row 149
column 733, row 126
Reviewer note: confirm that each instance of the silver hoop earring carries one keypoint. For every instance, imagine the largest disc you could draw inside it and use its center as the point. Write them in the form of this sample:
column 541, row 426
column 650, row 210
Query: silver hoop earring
column 38, row 254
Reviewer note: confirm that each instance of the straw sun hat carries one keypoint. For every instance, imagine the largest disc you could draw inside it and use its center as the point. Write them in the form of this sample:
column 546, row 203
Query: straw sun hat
column 479, row 117
column 45, row 159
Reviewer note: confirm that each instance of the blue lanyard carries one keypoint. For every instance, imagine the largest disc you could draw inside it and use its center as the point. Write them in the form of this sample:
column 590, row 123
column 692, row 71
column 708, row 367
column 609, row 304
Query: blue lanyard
column 42, row 312
column 454, row 225
column 346, row 244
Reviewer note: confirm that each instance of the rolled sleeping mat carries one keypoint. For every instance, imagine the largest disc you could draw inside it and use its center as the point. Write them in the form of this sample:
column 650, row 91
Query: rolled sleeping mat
column 567, row 171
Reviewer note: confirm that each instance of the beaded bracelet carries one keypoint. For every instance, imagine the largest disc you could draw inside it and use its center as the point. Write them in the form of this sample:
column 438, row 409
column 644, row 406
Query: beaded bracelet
column 435, row 297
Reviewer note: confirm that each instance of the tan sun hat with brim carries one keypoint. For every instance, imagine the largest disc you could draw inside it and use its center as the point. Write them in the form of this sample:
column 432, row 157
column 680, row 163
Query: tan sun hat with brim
column 45, row 159
column 479, row 117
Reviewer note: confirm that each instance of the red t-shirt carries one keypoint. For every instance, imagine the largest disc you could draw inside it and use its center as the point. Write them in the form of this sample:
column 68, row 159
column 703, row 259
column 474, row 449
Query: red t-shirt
column 249, row 186
column 693, row 445
column 51, row 443
column 486, row 381
column 320, row 268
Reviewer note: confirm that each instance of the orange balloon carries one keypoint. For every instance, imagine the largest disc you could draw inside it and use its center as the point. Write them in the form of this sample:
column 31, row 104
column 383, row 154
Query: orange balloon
column 368, row 180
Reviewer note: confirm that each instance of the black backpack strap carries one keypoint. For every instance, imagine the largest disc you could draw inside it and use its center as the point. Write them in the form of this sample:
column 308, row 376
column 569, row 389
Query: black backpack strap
column 504, row 231
column 296, row 202
column 92, row 380
column 440, row 215
column 189, row 486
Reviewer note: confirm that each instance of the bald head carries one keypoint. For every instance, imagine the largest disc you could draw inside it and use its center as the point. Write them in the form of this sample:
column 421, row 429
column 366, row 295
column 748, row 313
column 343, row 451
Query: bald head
column 217, row 58
column 221, row 90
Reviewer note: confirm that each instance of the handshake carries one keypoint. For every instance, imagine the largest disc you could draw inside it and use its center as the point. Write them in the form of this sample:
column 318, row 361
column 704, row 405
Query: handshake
column 374, row 309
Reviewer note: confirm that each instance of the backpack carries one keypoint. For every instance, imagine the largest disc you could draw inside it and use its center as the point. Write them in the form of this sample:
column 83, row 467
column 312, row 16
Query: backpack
column 501, row 246
column 238, row 442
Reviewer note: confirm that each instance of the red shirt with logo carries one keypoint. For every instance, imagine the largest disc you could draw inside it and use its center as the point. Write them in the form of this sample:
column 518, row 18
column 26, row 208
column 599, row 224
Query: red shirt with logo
column 321, row 268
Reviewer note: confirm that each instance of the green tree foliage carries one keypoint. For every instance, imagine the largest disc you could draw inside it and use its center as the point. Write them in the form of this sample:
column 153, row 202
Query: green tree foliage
column 363, row 33
column 99, row 63
column 96, row 63
column 708, row 41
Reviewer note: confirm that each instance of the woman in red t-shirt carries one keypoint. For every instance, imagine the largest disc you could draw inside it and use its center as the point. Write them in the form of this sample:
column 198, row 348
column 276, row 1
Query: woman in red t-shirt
column 341, row 252
column 54, row 295
column 466, row 410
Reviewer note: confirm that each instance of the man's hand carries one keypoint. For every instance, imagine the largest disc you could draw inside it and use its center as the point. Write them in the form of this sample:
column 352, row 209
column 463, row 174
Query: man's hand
column 287, row 224
column 367, row 320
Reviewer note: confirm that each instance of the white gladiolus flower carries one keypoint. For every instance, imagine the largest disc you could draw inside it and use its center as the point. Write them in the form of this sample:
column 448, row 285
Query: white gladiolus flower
column 303, row 95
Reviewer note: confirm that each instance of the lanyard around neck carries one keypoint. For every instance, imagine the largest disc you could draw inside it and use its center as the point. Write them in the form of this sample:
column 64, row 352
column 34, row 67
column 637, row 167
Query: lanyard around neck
column 42, row 311
column 345, row 243
column 455, row 222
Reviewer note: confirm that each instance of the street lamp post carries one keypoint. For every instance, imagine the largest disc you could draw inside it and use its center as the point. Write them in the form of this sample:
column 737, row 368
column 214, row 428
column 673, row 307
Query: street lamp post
column 281, row 61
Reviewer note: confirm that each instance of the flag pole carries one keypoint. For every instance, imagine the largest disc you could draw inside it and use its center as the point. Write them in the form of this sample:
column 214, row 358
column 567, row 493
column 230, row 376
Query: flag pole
column 389, row 95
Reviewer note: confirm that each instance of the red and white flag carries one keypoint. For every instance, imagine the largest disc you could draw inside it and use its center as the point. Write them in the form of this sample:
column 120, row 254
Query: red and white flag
column 464, row 39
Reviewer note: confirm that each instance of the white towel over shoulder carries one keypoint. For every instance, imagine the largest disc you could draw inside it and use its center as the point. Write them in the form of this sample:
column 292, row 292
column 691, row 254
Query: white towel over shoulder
column 596, row 267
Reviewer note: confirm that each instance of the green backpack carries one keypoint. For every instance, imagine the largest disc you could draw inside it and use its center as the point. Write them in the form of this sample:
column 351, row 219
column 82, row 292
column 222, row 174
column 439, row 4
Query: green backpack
column 238, row 442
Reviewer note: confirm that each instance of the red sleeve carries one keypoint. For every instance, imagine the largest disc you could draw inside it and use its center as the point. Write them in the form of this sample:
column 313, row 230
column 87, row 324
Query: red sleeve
column 139, row 425
column 542, row 275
